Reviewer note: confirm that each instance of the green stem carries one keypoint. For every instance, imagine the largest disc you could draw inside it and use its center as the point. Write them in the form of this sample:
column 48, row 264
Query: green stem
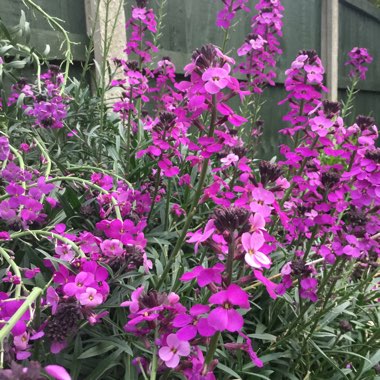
column 1, row 354
column 44, row 152
column 5, row 330
column 310, row 242
column 20, row 162
column 167, row 207
column 56, row 25
column 77, row 249
column 90, row 168
column 211, row 351
column 83, row 181
column 313, row 328
column 299, row 172
column 351, row 91
column 37, row 324
column 153, row 373
column 230, row 261
column 156, row 188
column 129, row 126
column 15, row 269
column 331, row 289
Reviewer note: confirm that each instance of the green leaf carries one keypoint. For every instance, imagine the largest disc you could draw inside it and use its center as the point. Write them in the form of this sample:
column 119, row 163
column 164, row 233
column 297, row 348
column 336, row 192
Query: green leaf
column 229, row 371
column 96, row 350
column 269, row 337
column 104, row 365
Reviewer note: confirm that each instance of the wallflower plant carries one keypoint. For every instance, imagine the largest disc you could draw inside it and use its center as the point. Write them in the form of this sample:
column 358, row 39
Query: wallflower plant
column 146, row 239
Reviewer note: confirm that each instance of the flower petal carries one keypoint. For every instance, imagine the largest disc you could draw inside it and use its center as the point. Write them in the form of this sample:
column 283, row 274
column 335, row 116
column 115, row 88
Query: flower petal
column 235, row 321
column 57, row 372
column 218, row 319
column 165, row 353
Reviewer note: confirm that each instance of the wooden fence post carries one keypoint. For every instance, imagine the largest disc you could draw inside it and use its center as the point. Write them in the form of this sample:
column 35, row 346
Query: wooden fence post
column 329, row 45
column 105, row 20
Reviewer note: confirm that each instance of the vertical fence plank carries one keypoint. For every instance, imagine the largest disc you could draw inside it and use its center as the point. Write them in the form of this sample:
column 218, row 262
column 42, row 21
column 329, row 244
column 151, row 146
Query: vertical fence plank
column 330, row 44
column 105, row 21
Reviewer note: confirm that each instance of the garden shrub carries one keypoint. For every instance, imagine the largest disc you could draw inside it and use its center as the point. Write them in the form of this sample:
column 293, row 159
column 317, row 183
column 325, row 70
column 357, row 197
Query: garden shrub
column 142, row 237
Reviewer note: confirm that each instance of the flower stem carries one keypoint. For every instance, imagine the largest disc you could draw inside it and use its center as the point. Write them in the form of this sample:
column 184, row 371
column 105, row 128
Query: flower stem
column 56, row 25
column 4, row 332
column 153, row 373
column 194, row 204
column 230, row 261
column 49, row 234
column 211, row 351
column 15, row 269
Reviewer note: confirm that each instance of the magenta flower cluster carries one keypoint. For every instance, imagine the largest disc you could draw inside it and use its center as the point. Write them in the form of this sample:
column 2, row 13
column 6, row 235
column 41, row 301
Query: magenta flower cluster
column 262, row 46
column 358, row 58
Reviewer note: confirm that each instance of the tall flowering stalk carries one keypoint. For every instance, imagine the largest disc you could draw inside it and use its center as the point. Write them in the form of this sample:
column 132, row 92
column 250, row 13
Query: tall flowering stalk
column 358, row 58
column 260, row 51
column 262, row 46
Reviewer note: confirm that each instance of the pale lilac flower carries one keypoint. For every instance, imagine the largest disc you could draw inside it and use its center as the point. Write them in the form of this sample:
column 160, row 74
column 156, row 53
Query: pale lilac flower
column 90, row 298
column 230, row 159
column 112, row 247
column 217, row 78
column 4, row 148
column 253, row 257
column 175, row 348
column 321, row 125
column 65, row 252
column 257, row 222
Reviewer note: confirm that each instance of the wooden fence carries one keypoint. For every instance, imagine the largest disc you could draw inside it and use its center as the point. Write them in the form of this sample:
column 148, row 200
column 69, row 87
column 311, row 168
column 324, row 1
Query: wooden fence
column 191, row 23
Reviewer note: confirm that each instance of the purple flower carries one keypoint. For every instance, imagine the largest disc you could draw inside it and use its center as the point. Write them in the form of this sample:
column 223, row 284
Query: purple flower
column 175, row 348
column 90, row 298
column 134, row 303
column 52, row 298
column 82, row 280
column 4, row 148
column 321, row 125
column 352, row 248
column 65, row 252
column 314, row 73
column 57, row 372
column 205, row 276
column 217, row 78
column 112, row 247
column 229, row 160
column 270, row 286
column 262, row 199
column 358, row 58
column 31, row 209
column 309, row 289
column 199, row 237
column 4, row 235
column 225, row 317
column 192, row 324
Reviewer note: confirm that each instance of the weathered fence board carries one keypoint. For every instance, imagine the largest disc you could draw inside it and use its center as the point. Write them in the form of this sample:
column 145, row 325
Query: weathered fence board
column 191, row 23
